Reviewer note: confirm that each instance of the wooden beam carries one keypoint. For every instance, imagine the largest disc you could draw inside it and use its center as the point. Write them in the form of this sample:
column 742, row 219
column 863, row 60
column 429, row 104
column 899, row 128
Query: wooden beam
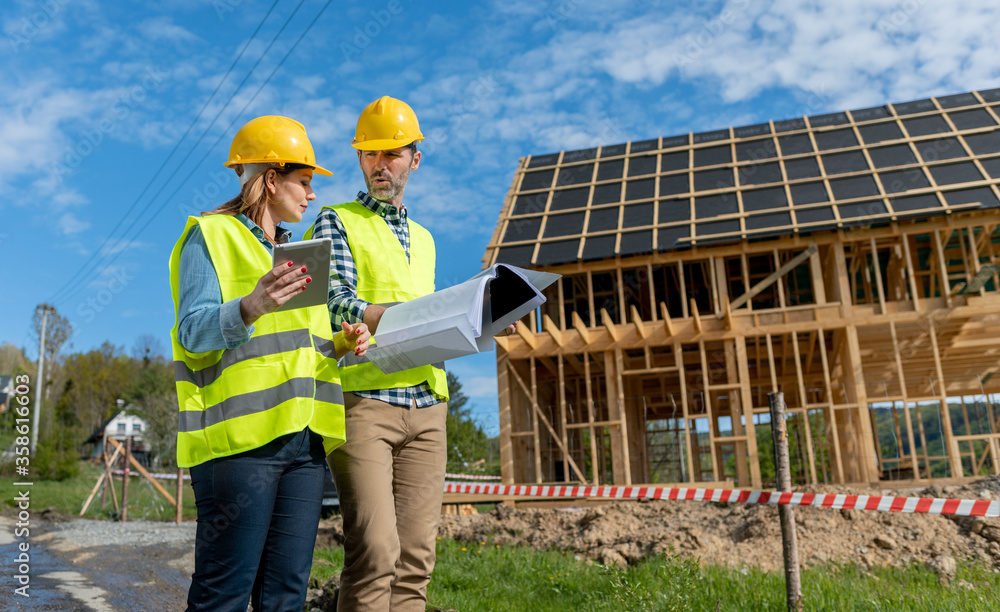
column 527, row 335
column 695, row 317
column 771, row 278
column 590, row 420
column 640, row 327
column 553, row 330
column 533, row 394
column 506, row 423
column 581, row 328
column 609, row 325
column 667, row 325
column 138, row 466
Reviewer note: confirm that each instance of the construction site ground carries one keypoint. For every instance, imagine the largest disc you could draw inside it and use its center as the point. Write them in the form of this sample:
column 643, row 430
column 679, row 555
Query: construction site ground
column 80, row 564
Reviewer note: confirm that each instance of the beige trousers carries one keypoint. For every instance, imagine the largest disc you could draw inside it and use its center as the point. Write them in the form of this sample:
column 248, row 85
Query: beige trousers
column 390, row 479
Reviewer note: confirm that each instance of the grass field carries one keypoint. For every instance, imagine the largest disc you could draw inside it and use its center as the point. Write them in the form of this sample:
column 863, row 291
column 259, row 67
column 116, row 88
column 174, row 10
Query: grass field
column 485, row 578
column 144, row 502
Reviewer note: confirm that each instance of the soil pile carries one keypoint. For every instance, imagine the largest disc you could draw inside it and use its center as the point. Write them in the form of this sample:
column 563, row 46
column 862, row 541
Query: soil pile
column 623, row 533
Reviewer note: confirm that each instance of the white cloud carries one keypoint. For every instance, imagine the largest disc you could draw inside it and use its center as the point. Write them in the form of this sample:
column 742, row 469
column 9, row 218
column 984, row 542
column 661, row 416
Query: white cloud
column 69, row 224
column 164, row 29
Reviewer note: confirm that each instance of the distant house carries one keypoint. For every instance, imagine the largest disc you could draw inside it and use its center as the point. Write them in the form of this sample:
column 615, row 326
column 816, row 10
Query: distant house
column 121, row 425
column 6, row 392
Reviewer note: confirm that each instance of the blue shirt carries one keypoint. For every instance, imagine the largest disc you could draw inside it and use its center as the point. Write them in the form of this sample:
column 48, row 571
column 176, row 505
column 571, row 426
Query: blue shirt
column 206, row 323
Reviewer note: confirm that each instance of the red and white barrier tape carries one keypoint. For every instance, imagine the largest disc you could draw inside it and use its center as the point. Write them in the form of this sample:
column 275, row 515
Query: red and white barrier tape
column 470, row 477
column 921, row 505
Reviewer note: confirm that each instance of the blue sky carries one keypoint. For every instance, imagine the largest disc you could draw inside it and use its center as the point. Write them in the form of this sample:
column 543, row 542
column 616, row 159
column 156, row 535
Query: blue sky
column 116, row 117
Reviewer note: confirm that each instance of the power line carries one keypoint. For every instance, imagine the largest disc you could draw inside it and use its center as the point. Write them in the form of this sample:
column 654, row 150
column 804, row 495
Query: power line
column 158, row 209
column 86, row 267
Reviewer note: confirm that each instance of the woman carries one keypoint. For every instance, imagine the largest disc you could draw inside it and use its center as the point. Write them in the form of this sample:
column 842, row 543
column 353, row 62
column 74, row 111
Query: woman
column 259, row 393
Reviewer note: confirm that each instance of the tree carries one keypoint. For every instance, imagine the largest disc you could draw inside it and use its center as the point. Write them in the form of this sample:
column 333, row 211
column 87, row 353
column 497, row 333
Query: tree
column 468, row 446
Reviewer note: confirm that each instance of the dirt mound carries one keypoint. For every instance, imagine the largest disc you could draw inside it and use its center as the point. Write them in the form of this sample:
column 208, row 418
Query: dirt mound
column 746, row 535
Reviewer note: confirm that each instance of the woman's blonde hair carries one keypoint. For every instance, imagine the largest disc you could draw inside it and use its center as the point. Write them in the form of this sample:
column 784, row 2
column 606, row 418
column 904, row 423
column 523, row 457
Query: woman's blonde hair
column 253, row 197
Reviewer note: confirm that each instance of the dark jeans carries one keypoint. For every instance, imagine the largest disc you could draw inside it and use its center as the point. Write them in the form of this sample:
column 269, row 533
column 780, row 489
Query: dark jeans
column 257, row 517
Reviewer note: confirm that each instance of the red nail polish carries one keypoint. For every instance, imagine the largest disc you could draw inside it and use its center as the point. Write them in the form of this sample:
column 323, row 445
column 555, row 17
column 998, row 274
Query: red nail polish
column 303, row 288
column 303, row 268
column 289, row 264
column 309, row 280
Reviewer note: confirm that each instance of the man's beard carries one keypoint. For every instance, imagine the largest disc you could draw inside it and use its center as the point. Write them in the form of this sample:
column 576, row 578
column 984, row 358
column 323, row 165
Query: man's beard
column 386, row 193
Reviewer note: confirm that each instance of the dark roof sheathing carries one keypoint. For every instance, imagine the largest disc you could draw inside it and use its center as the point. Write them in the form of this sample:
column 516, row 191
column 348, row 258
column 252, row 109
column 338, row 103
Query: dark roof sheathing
column 875, row 165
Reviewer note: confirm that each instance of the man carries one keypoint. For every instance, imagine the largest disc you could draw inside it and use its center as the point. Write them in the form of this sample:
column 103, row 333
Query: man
column 390, row 472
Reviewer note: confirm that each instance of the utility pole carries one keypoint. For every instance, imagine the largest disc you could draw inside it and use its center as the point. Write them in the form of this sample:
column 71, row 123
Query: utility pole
column 39, row 382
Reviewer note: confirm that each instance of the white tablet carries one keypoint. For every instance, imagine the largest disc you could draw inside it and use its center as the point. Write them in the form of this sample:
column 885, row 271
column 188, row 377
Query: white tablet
column 315, row 256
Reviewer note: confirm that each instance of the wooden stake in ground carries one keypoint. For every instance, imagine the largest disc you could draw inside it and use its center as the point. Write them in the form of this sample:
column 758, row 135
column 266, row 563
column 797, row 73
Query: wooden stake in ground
column 783, row 476
column 180, row 492
column 128, row 455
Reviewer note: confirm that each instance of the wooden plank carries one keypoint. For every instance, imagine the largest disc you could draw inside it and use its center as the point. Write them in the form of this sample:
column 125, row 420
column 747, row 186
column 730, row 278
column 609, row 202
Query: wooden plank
column 803, row 400
column 504, row 397
column 831, row 423
column 640, row 327
column 954, row 461
column 609, row 325
column 771, row 278
column 590, row 419
column 695, row 317
column 553, row 330
column 878, row 274
column 667, row 325
column 623, row 415
column 527, row 335
column 944, row 282
column 138, row 466
column 746, row 402
column 581, row 328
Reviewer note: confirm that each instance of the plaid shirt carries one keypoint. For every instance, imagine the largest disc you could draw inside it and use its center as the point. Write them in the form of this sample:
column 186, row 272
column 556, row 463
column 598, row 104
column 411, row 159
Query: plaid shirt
column 344, row 303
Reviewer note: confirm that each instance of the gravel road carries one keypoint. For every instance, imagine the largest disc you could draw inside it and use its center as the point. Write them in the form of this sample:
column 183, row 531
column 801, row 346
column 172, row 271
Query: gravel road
column 86, row 565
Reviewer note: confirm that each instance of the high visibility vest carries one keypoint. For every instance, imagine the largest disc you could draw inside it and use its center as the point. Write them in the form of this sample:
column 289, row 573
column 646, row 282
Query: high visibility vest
column 281, row 381
column 386, row 277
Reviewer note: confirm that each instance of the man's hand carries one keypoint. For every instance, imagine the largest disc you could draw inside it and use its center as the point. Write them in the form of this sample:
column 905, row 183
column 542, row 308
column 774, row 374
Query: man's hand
column 510, row 330
column 373, row 314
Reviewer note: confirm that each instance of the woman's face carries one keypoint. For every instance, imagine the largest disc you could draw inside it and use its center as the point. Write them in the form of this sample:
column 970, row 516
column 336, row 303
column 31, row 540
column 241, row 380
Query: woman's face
column 290, row 195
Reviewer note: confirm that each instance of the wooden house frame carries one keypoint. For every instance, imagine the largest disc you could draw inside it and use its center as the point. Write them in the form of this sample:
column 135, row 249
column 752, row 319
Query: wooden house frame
column 691, row 290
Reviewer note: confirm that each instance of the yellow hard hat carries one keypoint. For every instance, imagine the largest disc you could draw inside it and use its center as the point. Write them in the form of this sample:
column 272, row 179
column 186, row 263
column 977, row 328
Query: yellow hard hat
column 386, row 123
column 273, row 139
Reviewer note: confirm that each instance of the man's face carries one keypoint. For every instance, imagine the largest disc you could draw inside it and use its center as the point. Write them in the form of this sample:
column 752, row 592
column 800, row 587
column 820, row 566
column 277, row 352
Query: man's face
column 386, row 172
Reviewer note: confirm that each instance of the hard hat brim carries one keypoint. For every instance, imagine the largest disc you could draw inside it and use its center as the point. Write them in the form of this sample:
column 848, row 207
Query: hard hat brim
column 316, row 169
column 385, row 144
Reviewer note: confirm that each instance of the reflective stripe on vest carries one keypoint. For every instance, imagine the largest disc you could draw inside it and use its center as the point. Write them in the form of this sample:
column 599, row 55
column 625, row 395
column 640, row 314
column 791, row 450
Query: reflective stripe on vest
column 281, row 381
column 385, row 276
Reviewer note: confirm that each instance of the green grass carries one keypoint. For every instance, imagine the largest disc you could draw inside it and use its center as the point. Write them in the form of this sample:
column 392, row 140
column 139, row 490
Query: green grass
column 67, row 496
column 471, row 577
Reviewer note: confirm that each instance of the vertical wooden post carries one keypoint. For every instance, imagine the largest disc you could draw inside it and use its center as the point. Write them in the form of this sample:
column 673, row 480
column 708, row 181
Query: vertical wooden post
column 180, row 493
column 506, row 421
column 789, row 543
column 746, row 399
column 107, row 474
column 125, row 477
